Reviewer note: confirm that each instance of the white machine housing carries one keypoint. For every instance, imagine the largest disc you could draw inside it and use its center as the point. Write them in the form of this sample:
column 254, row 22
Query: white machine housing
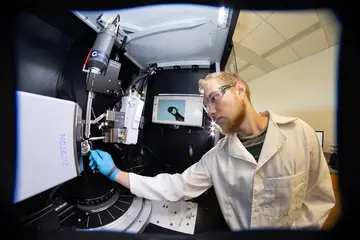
column 132, row 106
column 48, row 143
column 168, row 34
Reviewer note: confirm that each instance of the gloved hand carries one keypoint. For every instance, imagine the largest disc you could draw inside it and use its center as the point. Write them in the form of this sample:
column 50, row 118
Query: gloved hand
column 104, row 162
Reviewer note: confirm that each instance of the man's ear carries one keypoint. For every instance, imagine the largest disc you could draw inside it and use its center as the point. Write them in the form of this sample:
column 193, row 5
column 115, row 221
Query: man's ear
column 240, row 87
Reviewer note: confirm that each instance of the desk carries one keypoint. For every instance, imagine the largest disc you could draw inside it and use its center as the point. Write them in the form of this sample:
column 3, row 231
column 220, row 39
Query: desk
column 208, row 219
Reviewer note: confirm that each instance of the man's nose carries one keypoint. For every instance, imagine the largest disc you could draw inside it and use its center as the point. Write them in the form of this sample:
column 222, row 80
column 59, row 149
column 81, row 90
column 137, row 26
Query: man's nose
column 212, row 111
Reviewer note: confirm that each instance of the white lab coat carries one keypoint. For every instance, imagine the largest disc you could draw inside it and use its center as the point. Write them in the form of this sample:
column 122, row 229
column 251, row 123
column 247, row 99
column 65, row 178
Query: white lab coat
column 289, row 187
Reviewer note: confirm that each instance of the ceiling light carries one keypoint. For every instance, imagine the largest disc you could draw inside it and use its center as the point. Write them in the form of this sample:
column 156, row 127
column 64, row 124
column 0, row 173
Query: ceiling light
column 223, row 17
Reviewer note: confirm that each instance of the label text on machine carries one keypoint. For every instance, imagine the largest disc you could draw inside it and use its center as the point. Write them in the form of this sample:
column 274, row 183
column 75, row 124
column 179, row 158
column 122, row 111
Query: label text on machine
column 63, row 154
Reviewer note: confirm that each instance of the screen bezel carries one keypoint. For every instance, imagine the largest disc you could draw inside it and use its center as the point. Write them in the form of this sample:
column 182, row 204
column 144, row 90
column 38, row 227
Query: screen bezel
column 181, row 96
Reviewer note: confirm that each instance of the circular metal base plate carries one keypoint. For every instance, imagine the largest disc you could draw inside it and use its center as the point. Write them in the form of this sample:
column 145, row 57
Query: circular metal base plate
column 100, row 204
column 97, row 204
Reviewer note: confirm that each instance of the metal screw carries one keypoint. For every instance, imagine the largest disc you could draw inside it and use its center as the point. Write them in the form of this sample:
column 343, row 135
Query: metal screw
column 139, row 220
column 108, row 90
column 79, row 220
column 187, row 224
column 175, row 212
column 170, row 224
column 119, row 83
column 157, row 221
column 109, row 80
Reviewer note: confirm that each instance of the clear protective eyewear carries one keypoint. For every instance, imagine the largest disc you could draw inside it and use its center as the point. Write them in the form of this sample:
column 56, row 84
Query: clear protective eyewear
column 215, row 97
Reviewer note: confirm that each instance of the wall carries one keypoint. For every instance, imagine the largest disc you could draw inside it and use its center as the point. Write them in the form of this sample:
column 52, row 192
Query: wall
column 306, row 89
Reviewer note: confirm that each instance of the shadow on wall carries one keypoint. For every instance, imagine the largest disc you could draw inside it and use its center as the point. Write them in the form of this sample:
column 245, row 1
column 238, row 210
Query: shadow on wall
column 320, row 119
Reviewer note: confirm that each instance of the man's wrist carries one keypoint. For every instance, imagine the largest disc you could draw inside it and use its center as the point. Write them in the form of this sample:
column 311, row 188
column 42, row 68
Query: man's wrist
column 111, row 171
column 113, row 175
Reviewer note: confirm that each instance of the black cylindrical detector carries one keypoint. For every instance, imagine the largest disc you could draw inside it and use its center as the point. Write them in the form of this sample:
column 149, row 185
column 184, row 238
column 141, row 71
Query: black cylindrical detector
column 100, row 53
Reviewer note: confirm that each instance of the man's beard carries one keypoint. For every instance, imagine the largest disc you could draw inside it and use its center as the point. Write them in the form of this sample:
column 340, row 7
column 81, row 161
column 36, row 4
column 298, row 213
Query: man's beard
column 232, row 125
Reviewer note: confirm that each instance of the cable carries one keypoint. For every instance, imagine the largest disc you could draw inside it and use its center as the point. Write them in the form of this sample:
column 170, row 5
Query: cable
column 87, row 58
column 108, row 21
column 142, row 84
column 147, row 148
column 136, row 80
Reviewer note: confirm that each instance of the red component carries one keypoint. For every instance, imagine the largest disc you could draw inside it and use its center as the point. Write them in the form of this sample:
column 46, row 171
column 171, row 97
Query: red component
column 87, row 58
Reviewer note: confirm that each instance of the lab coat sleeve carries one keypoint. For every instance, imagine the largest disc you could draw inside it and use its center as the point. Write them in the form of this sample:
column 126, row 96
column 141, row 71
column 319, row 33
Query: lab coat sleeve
column 173, row 187
column 319, row 199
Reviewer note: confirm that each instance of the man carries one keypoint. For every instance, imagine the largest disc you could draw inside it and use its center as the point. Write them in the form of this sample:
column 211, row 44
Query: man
column 268, row 171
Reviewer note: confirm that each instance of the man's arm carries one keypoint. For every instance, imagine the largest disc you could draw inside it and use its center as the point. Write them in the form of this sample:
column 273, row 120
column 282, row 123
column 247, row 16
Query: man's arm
column 123, row 179
column 319, row 199
column 172, row 187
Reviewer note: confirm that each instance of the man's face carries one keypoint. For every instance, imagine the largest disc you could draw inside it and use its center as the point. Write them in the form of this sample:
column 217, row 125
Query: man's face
column 229, row 109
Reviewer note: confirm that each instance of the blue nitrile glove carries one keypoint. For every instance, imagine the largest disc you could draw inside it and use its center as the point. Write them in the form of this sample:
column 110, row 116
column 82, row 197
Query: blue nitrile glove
column 104, row 162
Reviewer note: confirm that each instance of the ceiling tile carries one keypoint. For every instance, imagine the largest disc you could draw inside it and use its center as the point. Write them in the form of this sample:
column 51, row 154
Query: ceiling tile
column 252, row 58
column 231, row 62
column 323, row 13
column 264, row 14
column 290, row 23
column 227, row 67
column 251, row 72
column 240, row 63
column 329, row 18
column 262, row 39
column 283, row 57
column 247, row 21
column 310, row 44
column 230, row 68
column 332, row 32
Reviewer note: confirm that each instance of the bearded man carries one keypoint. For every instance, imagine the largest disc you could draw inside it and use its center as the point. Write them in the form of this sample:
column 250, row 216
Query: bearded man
column 269, row 171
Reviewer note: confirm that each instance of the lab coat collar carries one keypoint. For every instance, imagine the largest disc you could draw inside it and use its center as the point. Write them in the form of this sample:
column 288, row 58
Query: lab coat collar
column 273, row 140
column 277, row 118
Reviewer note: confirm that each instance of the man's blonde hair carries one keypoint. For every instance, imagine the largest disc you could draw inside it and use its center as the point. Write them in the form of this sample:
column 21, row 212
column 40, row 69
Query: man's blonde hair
column 225, row 78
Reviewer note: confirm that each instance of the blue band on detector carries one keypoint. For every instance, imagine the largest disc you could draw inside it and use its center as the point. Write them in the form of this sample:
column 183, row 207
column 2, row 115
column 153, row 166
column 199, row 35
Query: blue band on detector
column 96, row 54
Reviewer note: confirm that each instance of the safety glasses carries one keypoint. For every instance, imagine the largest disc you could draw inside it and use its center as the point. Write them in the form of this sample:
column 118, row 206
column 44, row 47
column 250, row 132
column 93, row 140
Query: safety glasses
column 215, row 97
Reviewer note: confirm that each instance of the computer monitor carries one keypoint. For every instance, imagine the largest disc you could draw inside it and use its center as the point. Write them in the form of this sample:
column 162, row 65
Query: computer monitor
column 320, row 135
column 178, row 109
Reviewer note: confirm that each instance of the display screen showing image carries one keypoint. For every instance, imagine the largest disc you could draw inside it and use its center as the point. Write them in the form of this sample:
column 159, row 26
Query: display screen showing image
column 178, row 110
column 170, row 110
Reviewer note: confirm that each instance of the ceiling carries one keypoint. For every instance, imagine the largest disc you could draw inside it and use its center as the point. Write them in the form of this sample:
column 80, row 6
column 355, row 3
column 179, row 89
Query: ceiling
column 267, row 40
